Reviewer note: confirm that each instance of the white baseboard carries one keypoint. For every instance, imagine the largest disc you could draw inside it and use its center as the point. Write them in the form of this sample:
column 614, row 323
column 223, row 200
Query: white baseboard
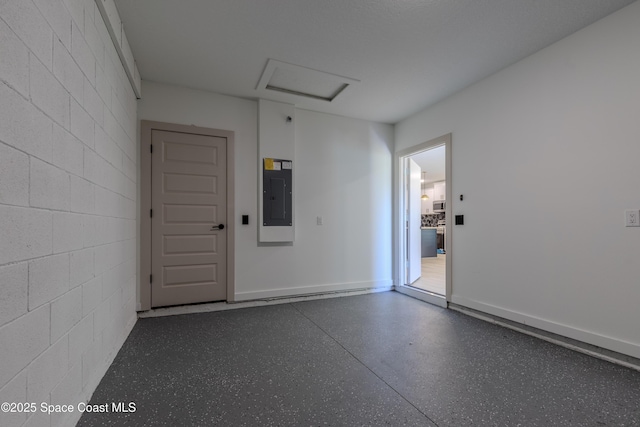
column 223, row 306
column 309, row 290
column 609, row 343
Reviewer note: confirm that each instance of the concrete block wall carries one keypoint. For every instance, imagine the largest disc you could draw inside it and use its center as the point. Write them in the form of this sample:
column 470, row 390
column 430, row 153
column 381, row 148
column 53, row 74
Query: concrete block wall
column 67, row 205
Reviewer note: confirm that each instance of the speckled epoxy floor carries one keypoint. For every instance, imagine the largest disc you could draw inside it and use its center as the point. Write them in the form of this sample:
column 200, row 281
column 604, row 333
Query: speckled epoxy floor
column 377, row 359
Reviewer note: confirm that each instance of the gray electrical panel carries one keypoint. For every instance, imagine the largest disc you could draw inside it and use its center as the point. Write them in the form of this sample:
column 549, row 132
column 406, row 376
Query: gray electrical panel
column 277, row 206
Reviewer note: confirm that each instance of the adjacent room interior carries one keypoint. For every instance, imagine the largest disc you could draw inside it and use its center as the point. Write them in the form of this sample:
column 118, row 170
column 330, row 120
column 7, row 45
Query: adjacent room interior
column 430, row 200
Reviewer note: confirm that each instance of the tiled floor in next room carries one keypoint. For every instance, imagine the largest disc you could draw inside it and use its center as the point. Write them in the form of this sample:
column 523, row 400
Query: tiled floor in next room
column 376, row 359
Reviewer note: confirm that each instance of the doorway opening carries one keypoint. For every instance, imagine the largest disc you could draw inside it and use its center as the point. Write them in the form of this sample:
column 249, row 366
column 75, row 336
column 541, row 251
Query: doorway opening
column 423, row 251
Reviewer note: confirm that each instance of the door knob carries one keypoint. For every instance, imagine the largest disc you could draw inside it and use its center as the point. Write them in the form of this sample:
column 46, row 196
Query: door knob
column 217, row 227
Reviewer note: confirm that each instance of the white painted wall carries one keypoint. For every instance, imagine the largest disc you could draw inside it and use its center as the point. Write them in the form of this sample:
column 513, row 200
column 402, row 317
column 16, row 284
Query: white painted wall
column 276, row 140
column 342, row 172
column 556, row 139
column 67, row 204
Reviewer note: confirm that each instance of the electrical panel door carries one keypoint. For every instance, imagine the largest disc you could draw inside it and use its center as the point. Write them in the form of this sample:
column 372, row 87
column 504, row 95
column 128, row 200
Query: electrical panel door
column 277, row 193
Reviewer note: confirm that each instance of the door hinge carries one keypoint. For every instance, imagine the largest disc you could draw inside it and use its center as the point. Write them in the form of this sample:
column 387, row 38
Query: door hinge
column 151, row 148
column 150, row 213
column 151, row 278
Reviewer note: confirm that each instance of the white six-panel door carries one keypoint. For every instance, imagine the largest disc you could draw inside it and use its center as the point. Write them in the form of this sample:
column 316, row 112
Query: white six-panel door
column 188, row 237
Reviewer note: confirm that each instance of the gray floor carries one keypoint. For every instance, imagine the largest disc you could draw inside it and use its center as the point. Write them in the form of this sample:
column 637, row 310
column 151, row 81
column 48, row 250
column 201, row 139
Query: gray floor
column 377, row 359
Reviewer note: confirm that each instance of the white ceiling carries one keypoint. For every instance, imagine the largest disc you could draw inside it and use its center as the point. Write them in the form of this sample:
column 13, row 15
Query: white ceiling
column 407, row 54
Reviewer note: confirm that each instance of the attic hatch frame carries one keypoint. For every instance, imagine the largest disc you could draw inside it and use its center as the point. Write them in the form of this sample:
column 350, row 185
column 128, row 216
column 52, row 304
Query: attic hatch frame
column 335, row 85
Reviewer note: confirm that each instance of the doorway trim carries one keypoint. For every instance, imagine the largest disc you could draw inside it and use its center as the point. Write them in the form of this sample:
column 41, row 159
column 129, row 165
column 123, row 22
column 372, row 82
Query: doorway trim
column 400, row 243
column 144, row 245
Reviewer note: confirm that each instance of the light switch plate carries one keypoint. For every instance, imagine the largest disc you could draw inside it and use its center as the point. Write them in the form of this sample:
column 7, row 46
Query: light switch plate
column 632, row 218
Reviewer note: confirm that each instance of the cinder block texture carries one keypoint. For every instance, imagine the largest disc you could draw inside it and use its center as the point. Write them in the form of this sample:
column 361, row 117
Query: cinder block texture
column 23, row 340
column 24, row 233
column 27, row 22
column 82, row 54
column 15, row 391
column 93, row 103
column 68, row 390
column 103, row 86
column 14, row 176
column 82, row 124
column 91, row 363
column 81, row 265
column 107, row 149
column 67, row 198
column 15, row 72
column 68, row 151
column 47, row 370
column 89, row 231
column 91, row 295
column 49, row 186
column 39, row 419
column 48, row 94
column 76, row 8
column 23, row 126
column 65, row 232
column 14, row 282
column 66, row 311
column 48, row 279
column 94, row 41
column 80, row 338
column 58, row 18
column 82, row 198
column 67, row 71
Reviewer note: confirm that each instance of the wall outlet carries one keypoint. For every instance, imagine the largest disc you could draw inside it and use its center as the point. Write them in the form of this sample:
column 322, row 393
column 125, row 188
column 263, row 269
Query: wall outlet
column 319, row 220
column 632, row 218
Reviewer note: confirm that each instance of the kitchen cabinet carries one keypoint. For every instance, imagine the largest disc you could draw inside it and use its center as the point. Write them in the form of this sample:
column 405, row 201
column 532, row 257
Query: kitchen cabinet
column 440, row 190
column 429, row 242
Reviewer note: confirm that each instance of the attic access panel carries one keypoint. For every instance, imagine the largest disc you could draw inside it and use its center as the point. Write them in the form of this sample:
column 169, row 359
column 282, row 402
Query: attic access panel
column 277, row 193
column 302, row 82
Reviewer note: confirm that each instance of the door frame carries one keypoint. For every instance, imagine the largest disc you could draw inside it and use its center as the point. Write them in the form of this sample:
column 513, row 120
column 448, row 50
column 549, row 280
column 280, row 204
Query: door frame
column 399, row 210
column 144, row 240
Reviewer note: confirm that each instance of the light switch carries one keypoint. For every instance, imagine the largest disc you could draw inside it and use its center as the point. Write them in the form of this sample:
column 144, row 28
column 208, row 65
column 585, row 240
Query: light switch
column 632, row 218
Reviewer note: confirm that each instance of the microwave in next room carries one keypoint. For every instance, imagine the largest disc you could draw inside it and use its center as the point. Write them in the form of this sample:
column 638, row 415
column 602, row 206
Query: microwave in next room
column 438, row 206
